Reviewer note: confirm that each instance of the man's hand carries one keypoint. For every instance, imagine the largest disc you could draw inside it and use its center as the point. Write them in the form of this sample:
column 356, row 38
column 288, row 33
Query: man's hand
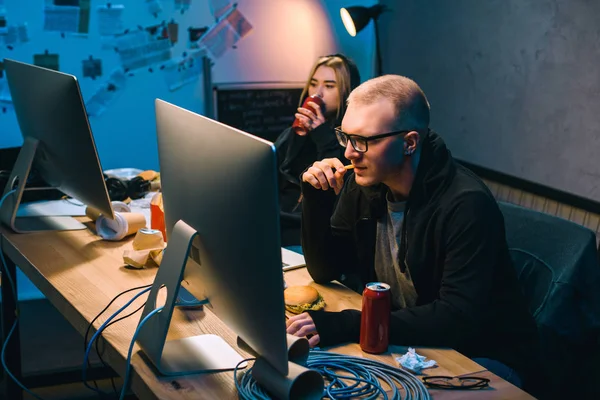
column 302, row 325
column 325, row 174
column 310, row 120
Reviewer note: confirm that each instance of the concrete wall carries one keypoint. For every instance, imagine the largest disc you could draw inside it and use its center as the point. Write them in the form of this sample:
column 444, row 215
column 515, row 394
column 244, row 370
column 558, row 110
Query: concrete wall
column 514, row 85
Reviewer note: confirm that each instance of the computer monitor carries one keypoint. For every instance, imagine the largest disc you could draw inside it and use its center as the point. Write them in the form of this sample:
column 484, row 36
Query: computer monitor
column 222, row 183
column 58, row 144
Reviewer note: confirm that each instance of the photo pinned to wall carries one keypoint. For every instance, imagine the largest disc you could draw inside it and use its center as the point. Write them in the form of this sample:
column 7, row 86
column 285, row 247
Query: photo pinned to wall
column 3, row 21
column 226, row 33
column 218, row 8
column 63, row 19
column 154, row 7
column 185, row 70
column 139, row 49
column 92, row 67
column 173, row 31
column 182, row 5
column 110, row 19
column 194, row 35
column 15, row 35
column 106, row 94
column 67, row 16
column 47, row 60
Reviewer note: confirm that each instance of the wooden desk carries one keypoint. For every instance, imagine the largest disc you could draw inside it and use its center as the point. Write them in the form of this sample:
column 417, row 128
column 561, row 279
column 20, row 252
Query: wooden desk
column 80, row 274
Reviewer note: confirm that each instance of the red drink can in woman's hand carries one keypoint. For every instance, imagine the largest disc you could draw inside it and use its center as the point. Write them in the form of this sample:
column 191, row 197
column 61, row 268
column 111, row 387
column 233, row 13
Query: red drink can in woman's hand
column 375, row 318
column 298, row 127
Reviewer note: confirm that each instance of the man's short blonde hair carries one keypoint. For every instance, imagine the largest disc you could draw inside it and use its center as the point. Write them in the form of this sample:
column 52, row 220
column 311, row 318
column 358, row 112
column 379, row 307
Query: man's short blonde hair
column 410, row 103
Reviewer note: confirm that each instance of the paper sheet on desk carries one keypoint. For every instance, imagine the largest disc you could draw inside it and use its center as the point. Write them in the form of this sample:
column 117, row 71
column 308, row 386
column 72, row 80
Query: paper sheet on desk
column 52, row 208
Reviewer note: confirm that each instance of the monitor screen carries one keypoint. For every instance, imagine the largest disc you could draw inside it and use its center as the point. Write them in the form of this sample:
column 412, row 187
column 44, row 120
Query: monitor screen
column 223, row 183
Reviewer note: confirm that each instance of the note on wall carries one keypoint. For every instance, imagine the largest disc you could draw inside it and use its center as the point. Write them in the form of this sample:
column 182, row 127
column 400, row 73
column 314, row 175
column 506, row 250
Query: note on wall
column 61, row 18
column 184, row 71
column 140, row 49
column 15, row 35
column 46, row 60
column 226, row 33
column 154, row 7
column 218, row 8
column 106, row 93
column 110, row 19
column 182, row 5
column 65, row 17
column 92, row 67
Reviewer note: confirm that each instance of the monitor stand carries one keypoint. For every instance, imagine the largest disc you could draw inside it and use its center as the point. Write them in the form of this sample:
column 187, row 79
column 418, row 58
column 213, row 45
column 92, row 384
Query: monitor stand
column 203, row 353
column 10, row 205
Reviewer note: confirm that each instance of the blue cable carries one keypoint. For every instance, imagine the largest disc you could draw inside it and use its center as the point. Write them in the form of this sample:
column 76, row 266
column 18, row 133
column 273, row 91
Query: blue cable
column 128, row 364
column 99, row 332
column 365, row 374
column 17, row 314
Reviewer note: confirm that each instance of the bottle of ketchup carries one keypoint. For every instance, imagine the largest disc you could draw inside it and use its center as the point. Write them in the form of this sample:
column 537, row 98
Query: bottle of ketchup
column 297, row 126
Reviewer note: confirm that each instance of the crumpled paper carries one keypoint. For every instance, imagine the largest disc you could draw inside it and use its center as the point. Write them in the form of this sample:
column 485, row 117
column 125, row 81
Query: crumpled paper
column 147, row 251
column 414, row 362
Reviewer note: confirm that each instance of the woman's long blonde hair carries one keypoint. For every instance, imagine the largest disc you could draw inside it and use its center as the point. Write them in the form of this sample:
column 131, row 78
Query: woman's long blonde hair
column 346, row 75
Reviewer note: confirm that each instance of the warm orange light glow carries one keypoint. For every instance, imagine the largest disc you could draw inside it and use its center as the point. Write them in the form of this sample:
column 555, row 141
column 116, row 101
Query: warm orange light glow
column 348, row 22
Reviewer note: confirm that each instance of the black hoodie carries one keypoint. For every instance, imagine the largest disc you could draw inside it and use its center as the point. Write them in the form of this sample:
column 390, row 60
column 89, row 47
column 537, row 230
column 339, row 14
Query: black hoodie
column 456, row 252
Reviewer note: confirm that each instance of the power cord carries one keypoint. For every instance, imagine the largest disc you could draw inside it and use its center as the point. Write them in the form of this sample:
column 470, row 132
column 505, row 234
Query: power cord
column 91, row 324
column 98, row 333
column 17, row 314
column 337, row 369
column 109, row 322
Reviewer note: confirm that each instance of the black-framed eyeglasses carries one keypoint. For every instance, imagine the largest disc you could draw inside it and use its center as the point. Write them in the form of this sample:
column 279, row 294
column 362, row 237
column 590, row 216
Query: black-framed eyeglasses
column 456, row 383
column 361, row 143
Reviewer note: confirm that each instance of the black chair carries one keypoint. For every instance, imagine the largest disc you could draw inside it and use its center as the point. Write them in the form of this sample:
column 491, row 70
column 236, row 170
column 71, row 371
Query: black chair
column 559, row 273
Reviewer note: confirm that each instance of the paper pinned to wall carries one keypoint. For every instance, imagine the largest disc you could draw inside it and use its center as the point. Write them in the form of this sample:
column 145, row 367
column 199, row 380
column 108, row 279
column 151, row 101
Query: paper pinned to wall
column 15, row 34
column 173, row 30
column 65, row 17
column 226, row 33
column 61, row 18
column 106, row 94
column 182, row 5
column 218, row 8
column 140, row 49
column 110, row 19
column 46, row 60
column 154, row 7
column 92, row 67
column 3, row 22
column 185, row 70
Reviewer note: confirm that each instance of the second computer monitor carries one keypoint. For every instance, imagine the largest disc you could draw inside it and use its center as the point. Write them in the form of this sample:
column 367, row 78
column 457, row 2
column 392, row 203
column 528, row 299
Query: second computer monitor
column 223, row 183
column 58, row 144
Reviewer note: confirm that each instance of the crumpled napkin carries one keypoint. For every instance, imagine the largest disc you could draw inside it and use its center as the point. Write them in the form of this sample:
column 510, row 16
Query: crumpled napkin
column 414, row 362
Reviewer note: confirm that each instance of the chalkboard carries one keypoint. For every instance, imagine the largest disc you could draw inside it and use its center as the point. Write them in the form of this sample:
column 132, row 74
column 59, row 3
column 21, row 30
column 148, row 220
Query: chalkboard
column 262, row 109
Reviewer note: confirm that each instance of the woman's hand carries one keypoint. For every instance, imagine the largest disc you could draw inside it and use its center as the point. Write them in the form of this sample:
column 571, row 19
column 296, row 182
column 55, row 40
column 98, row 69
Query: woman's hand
column 309, row 119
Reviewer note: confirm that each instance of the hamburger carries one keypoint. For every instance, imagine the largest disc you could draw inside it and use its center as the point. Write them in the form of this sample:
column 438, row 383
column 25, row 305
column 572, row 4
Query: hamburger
column 302, row 298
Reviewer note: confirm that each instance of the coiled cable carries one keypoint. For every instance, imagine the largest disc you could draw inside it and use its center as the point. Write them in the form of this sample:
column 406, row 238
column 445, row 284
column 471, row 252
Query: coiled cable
column 347, row 377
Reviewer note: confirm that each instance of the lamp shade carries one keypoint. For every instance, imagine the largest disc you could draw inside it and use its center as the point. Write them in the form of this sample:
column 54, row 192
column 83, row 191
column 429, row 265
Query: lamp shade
column 355, row 18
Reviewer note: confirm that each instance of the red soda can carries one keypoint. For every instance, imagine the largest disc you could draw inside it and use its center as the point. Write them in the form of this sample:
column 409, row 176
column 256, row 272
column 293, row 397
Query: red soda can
column 297, row 125
column 375, row 318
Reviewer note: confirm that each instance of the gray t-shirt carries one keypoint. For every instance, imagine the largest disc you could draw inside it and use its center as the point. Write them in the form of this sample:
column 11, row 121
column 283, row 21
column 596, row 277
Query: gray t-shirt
column 387, row 262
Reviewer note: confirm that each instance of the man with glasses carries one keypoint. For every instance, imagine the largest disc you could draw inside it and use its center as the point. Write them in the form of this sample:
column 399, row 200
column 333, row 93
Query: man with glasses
column 410, row 216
